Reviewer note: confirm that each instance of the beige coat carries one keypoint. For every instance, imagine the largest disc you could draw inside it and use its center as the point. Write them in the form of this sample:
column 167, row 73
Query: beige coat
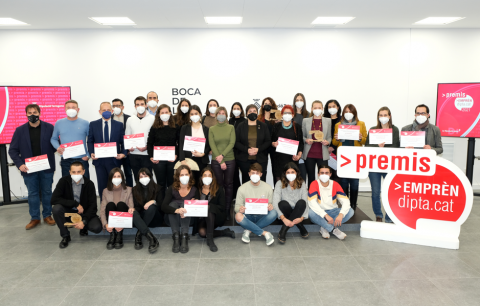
column 107, row 197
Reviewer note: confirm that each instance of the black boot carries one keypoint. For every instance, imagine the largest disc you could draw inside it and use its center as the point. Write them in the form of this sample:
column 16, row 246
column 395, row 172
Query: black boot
column 184, row 243
column 228, row 233
column 84, row 232
column 153, row 242
column 353, row 199
column 210, row 243
column 111, row 241
column 64, row 243
column 119, row 240
column 303, row 230
column 282, row 235
column 138, row 241
column 176, row 242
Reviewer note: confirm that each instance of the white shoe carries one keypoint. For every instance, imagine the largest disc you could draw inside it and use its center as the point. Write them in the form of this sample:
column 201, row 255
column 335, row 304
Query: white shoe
column 246, row 236
column 340, row 235
column 325, row 234
column 269, row 238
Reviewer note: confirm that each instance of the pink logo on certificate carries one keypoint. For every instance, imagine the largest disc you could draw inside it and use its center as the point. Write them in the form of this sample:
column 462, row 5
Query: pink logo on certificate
column 140, row 135
column 166, row 148
column 349, row 127
column 72, row 144
column 381, row 131
column 414, row 133
column 256, row 200
column 40, row 157
column 289, row 141
column 120, row 214
column 197, row 139
column 195, row 202
column 105, row 145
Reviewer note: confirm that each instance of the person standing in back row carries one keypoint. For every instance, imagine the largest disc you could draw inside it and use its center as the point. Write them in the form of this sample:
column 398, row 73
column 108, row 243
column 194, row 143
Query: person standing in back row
column 433, row 139
column 119, row 116
column 152, row 102
column 209, row 119
column 300, row 107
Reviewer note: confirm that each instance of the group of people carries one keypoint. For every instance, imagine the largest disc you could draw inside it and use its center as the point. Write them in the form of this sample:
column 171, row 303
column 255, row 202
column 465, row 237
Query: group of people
column 232, row 167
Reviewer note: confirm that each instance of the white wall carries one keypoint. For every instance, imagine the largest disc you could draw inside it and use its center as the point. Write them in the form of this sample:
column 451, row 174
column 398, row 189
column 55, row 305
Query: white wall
column 368, row 68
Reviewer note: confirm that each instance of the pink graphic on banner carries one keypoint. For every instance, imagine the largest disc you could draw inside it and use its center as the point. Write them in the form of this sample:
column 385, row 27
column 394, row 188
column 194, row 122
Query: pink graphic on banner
column 72, row 144
column 141, row 135
column 380, row 131
column 195, row 202
column 105, row 145
column 39, row 157
column 349, row 127
column 164, row 148
column 197, row 139
column 120, row 214
column 290, row 141
column 256, row 200
column 416, row 133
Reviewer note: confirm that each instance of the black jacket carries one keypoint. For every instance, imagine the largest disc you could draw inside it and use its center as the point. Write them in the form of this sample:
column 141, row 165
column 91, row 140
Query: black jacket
column 139, row 206
column 263, row 141
column 165, row 136
column 63, row 195
column 186, row 130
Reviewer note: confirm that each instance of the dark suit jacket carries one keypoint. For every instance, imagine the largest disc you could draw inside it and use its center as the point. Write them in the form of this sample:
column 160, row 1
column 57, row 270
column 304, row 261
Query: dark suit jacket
column 21, row 148
column 95, row 135
column 187, row 131
column 263, row 141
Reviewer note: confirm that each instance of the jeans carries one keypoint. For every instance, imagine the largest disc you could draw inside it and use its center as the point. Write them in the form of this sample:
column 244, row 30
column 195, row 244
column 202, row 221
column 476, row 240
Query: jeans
column 35, row 182
column 256, row 223
column 138, row 162
column 303, row 171
column 164, row 173
column 349, row 184
column 332, row 213
column 94, row 225
column 225, row 179
column 127, row 170
column 376, row 184
column 65, row 165
column 310, row 164
column 245, row 167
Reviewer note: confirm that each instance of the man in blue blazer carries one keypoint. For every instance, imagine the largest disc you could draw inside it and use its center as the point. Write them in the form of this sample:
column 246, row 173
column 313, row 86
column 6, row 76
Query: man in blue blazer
column 102, row 131
column 120, row 116
column 30, row 140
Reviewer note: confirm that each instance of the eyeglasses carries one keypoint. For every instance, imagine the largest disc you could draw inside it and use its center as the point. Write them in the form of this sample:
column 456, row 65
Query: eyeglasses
column 421, row 114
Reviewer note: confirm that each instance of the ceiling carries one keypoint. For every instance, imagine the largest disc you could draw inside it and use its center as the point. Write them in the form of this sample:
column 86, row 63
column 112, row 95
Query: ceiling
column 71, row 14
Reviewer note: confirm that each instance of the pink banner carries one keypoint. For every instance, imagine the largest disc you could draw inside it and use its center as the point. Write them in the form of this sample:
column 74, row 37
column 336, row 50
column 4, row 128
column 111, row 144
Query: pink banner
column 40, row 157
column 290, row 141
column 195, row 202
column 256, row 200
column 141, row 135
column 416, row 133
column 380, row 131
column 197, row 139
column 349, row 127
column 164, row 148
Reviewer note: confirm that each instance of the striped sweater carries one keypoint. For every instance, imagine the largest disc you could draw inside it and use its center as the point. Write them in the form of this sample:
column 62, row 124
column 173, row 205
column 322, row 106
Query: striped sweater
column 322, row 198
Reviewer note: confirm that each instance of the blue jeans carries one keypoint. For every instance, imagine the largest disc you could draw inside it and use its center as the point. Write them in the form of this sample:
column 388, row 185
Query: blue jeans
column 376, row 183
column 65, row 164
column 35, row 182
column 256, row 223
column 332, row 213
column 345, row 183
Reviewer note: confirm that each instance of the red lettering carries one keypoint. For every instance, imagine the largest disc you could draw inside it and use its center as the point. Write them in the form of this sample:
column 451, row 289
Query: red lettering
column 399, row 160
column 424, row 161
column 372, row 157
column 382, row 159
column 415, row 161
column 364, row 158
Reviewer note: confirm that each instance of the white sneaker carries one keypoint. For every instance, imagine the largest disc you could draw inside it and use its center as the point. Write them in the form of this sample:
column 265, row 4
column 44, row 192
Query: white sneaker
column 269, row 238
column 325, row 234
column 246, row 236
column 340, row 235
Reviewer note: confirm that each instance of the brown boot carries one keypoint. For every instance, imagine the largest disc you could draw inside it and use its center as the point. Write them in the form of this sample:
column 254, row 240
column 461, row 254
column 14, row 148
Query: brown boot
column 32, row 224
column 49, row 220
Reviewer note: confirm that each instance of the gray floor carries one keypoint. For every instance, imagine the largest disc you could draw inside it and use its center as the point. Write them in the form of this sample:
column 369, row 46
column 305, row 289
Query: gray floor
column 34, row 271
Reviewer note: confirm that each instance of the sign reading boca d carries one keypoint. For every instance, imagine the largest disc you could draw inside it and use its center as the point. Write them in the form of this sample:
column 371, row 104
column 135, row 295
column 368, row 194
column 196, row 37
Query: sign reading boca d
column 427, row 197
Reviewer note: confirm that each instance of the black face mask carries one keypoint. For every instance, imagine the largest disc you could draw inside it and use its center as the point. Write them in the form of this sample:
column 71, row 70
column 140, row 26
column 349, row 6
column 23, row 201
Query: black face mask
column 267, row 107
column 252, row 116
column 33, row 118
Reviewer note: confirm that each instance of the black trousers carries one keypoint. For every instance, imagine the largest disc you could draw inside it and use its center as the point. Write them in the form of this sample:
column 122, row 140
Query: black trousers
column 143, row 219
column 245, row 166
column 164, row 173
column 138, row 162
column 292, row 213
column 310, row 164
column 225, row 179
column 210, row 224
column 120, row 206
column 127, row 170
column 196, row 174
column 176, row 221
column 59, row 211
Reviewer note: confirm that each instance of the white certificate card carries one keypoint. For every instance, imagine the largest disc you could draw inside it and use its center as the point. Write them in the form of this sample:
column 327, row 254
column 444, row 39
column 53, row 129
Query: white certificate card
column 120, row 219
column 414, row 139
column 349, row 132
column 73, row 149
column 104, row 150
column 378, row 136
column 37, row 163
column 134, row 141
column 287, row 146
column 256, row 206
column 194, row 144
column 196, row 208
column 163, row 153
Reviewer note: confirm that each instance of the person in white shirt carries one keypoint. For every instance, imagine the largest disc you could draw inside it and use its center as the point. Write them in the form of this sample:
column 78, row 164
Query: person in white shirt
column 152, row 99
column 141, row 123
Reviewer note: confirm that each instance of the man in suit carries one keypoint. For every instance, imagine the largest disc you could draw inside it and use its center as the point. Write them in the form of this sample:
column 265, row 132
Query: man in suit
column 30, row 140
column 433, row 139
column 105, row 130
column 119, row 116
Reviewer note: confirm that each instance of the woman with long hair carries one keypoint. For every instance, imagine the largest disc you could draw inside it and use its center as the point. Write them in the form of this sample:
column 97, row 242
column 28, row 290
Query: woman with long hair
column 183, row 113
column 237, row 116
column 210, row 119
column 266, row 116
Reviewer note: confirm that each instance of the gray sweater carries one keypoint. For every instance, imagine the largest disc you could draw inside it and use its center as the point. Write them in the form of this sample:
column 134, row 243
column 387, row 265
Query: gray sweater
column 432, row 136
column 291, row 196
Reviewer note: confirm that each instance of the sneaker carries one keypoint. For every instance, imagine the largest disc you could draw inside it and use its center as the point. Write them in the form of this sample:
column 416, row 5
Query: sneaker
column 269, row 238
column 339, row 234
column 246, row 236
column 325, row 234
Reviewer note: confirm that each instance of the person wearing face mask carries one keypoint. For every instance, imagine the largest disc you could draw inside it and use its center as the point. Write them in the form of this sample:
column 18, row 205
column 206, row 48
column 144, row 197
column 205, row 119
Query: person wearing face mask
column 215, row 195
column 252, row 143
column 105, row 130
column 209, row 119
column 237, row 116
column 264, row 115
column 300, row 107
column 433, row 139
column 288, row 129
column 257, row 189
column 350, row 117
column 147, row 198
column 333, row 110
column 119, row 116
column 75, row 193
column 29, row 140
column 384, row 121
column 316, row 153
column 116, row 197
column 182, row 117
column 195, row 129
column 152, row 103
column 290, row 199
column 221, row 138
column 71, row 129
column 182, row 189
column 164, row 132
column 141, row 123
column 323, row 196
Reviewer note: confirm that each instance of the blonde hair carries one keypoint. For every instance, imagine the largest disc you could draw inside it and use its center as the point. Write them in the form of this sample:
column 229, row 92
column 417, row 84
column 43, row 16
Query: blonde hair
column 316, row 101
column 219, row 109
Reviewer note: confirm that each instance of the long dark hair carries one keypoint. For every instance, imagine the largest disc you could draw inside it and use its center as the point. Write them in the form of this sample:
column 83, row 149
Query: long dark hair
column 304, row 108
column 110, row 177
column 158, row 123
column 353, row 110
column 326, row 114
column 390, row 123
column 242, row 114
column 194, row 107
column 213, row 186
column 207, row 112
column 176, row 177
column 261, row 114
column 151, row 188
column 297, row 184
column 180, row 117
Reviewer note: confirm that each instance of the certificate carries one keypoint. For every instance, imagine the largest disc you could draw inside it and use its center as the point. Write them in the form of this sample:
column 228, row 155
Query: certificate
column 73, row 149
column 104, row 150
column 287, row 146
column 378, row 136
column 256, row 206
column 194, row 144
column 196, row 208
column 134, row 141
column 37, row 163
column 120, row 219
column 332, row 161
column 414, row 139
column 349, row 132
column 163, row 153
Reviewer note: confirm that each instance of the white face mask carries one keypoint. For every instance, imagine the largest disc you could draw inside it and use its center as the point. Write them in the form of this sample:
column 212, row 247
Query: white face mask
column 348, row 116
column 324, row 178
column 212, row 110
column 76, row 177
column 255, row 178
column 72, row 113
column 421, row 119
column 383, row 120
column 317, row 112
column 236, row 112
column 165, row 117
column 152, row 103
column 299, row 104
column 332, row 111
column 117, row 110
column 141, row 110
column 207, row 180
column 291, row 177
column 287, row 117
column 184, row 109
column 184, row 180
column 116, row 181
column 195, row 118
column 144, row 181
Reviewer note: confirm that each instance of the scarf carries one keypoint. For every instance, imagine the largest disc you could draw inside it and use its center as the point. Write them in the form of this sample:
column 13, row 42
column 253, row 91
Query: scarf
column 418, row 127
